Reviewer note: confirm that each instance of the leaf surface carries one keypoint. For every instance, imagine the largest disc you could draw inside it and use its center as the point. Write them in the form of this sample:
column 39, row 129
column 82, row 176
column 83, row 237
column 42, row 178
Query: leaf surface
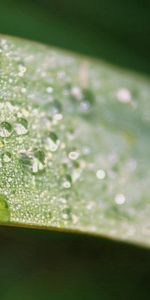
column 74, row 143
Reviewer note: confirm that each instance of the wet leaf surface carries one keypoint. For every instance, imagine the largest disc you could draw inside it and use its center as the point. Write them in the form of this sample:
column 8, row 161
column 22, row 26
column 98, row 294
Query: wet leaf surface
column 74, row 143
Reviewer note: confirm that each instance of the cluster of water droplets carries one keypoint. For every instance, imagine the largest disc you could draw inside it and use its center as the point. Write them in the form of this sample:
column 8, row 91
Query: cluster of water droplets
column 70, row 146
column 20, row 128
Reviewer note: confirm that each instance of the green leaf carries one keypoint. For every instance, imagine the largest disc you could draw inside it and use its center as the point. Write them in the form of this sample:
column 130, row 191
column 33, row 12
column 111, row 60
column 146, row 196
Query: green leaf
column 74, row 143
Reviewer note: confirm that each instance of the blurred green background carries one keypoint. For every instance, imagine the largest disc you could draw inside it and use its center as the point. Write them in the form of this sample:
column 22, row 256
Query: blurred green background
column 43, row 265
column 117, row 31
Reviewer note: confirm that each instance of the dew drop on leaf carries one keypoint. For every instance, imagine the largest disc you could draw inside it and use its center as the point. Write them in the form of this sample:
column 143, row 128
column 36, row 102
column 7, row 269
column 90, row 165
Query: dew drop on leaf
column 67, row 182
column 21, row 127
column 56, row 107
column 5, row 129
column 73, row 155
column 100, row 174
column 38, row 161
column 6, row 157
column 120, row 199
column 52, row 142
column 66, row 213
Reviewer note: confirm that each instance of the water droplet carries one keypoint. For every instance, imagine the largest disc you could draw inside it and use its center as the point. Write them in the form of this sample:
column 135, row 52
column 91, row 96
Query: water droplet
column 49, row 89
column 84, row 98
column 87, row 100
column 123, row 95
column 53, row 141
column 56, row 107
column 22, row 70
column 23, row 90
column 1, row 144
column 73, row 155
column 84, row 106
column 7, row 157
column 86, row 150
column 100, row 174
column 38, row 161
column 58, row 117
column 76, row 92
column 5, row 129
column 67, row 182
column 66, row 213
column 4, row 211
column 120, row 199
column 10, row 80
column 21, row 127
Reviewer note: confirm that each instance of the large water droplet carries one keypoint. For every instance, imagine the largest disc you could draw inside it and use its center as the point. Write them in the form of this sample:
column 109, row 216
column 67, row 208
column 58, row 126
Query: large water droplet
column 21, row 126
column 5, row 129
column 52, row 141
column 38, row 161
